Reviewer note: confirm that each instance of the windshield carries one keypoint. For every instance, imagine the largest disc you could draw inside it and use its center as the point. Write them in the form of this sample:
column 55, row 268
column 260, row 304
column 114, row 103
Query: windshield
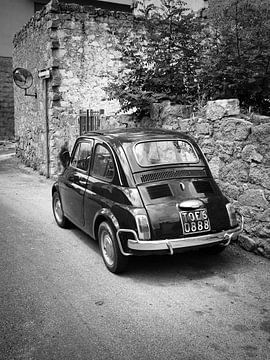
column 163, row 152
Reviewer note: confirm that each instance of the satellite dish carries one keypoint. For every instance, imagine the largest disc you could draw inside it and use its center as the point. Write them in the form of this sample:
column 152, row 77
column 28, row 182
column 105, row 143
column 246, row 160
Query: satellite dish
column 23, row 79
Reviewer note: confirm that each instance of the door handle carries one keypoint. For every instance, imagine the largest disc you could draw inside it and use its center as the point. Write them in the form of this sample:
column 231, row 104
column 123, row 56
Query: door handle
column 82, row 182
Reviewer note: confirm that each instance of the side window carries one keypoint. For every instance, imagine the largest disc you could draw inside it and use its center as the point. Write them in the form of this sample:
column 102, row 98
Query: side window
column 82, row 155
column 103, row 166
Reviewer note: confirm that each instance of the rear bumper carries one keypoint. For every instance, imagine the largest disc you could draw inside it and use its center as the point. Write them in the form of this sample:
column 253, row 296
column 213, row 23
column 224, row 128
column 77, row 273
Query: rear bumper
column 222, row 238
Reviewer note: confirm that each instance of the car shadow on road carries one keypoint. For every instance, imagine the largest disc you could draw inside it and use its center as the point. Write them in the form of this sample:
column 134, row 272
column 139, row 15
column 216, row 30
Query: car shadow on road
column 191, row 265
column 188, row 266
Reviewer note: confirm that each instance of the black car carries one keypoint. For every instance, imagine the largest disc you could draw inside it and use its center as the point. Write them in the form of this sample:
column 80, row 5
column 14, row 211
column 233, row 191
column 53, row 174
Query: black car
column 142, row 191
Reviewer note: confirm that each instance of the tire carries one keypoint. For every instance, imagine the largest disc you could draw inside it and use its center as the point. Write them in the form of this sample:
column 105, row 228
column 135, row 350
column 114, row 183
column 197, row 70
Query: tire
column 213, row 250
column 58, row 212
column 114, row 260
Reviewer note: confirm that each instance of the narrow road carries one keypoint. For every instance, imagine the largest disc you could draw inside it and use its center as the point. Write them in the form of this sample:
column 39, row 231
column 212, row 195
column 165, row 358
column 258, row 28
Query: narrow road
column 58, row 301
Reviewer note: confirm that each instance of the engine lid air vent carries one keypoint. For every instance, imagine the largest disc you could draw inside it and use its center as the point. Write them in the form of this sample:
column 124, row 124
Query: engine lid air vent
column 203, row 187
column 159, row 191
column 172, row 174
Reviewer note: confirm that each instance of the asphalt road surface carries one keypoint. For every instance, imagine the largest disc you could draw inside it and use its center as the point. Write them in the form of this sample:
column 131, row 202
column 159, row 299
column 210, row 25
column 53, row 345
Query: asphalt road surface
column 58, row 301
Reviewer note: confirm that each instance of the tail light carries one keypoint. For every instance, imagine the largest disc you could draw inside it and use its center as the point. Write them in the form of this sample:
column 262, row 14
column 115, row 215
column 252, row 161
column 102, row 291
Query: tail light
column 232, row 215
column 143, row 227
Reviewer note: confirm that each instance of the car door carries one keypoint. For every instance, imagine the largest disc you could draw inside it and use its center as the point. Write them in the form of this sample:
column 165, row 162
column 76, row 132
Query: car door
column 75, row 182
column 99, row 193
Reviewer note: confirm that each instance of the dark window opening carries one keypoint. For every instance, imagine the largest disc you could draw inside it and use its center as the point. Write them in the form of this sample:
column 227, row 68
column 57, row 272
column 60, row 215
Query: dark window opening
column 82, row 156
column 103, row 164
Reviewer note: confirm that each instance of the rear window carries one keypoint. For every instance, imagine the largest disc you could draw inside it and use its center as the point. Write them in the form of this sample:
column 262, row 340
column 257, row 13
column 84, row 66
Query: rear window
column 165, row 152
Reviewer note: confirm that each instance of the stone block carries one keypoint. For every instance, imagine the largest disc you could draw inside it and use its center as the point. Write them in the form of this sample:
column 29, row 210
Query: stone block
column 203, row 128
column 234, row 172
column 53, row 24
column 254, row 198
column 264, row 216
column 56, row 81
column 247, row 242
column 54, row 63
column 250, row 154
column 184, row 125
column 179, row 111
column 6, row 99
column 232, row 191
column 261, row 134
column 259, row 119
column 207, row 146
column 264, row 247
column 249, row 213
column 56, row 97
column 218, row 109
column 260, row 175
column 235, row 129
column 225, row 147
column 55, row 44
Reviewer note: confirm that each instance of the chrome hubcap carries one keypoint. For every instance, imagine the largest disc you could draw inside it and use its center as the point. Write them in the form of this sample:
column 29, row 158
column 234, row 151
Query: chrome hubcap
column 107, row 248
column 58, row 210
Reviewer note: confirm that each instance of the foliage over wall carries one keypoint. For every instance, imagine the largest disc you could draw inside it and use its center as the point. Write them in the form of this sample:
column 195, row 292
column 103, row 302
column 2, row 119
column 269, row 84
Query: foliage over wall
column 236, row 59
column 162, row 62
column 188, row 60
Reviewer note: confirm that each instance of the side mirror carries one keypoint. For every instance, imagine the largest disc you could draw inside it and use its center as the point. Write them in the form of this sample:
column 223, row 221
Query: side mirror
column 23, row 79
column 64, row 158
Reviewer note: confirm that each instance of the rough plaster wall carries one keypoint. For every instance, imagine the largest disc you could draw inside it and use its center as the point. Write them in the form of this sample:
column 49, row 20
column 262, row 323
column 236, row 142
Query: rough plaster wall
column 32, row 50
column 6, row 99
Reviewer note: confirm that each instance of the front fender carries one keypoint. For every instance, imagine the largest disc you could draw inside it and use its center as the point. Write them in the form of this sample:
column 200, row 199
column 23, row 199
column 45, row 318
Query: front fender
column 55, row 187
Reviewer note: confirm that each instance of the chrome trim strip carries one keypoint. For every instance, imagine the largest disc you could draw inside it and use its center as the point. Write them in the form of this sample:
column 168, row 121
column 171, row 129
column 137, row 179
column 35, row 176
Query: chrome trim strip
column 119, row 241
column 183, row 242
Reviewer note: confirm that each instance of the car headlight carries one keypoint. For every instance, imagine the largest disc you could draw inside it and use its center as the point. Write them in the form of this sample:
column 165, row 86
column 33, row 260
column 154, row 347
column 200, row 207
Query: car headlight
column 143, row 227
column 232, row 215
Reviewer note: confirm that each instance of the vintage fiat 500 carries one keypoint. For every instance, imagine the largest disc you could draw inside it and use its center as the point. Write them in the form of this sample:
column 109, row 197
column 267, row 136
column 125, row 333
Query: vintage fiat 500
column 140, row 192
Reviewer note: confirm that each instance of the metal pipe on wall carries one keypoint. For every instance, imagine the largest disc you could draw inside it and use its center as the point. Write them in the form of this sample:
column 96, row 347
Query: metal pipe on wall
column 46, row 118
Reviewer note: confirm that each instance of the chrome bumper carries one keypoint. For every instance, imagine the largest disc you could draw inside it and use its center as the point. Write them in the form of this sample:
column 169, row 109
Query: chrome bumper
column 223, row 238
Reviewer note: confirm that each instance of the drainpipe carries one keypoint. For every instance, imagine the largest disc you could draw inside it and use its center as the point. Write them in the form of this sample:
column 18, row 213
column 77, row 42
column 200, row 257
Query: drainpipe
column 45, row 75
column 47, row 128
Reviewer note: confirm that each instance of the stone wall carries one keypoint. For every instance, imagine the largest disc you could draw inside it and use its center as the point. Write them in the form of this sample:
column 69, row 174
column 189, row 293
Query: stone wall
column 32, row 50
column 78, row 45
column 237, row 148
column 6, row 99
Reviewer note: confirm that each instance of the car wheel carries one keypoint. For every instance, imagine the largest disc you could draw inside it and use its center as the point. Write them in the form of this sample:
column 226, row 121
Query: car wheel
column 212, row 250
column 58, row 213
column 115, row 261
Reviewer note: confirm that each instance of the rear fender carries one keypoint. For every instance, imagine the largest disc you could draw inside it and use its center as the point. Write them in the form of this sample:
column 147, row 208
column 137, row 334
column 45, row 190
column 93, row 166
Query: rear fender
column 104, row 214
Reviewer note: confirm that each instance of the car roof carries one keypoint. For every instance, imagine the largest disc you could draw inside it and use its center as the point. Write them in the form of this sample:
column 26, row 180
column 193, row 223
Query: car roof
column 132, row 135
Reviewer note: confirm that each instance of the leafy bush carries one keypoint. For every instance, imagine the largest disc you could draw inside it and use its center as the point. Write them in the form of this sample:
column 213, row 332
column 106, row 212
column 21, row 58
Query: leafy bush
column 236, row 57
column 161, row 56
column 171, row 54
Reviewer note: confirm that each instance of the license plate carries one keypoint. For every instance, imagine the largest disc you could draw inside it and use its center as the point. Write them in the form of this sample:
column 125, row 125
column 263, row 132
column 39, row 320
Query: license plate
column 195, row 221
